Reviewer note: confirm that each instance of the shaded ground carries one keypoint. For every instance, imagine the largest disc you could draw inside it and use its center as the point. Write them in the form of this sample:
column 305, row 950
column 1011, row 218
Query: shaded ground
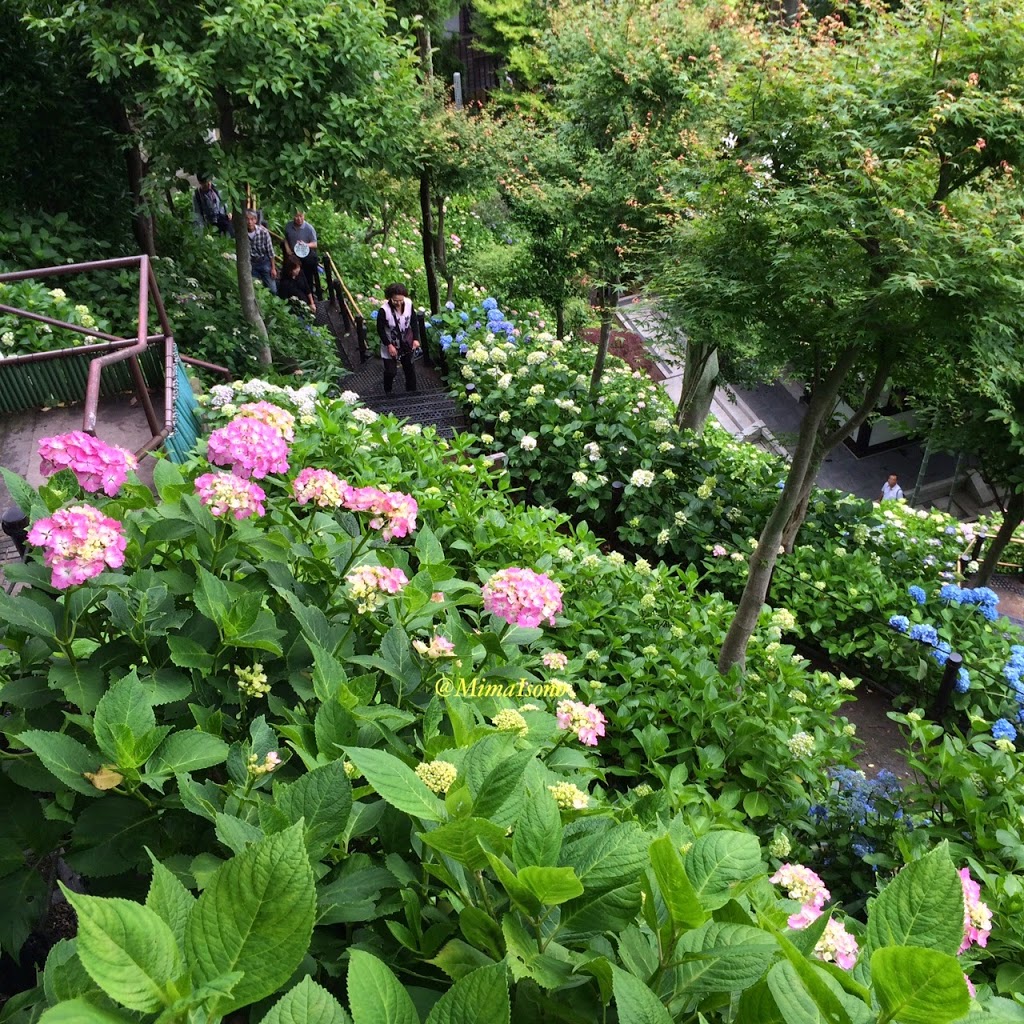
column 628, row 346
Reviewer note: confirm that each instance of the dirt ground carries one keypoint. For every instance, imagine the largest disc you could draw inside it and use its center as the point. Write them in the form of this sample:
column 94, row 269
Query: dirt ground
column 630, row 347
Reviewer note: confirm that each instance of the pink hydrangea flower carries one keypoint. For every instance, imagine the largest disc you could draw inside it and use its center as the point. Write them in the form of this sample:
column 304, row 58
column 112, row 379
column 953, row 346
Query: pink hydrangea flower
column 522, row 597
column 439, row 647
column 225, row 492
column 555, row 661
column 249, row 447
column 80, row 542
column 273, row 415
column 371, row 585
column 803, row 885
column 321, row 487
column 584, row 719
column 718, row 551
column 394, row 513
column 977, row 916
column 837, row 945
column 96, row 465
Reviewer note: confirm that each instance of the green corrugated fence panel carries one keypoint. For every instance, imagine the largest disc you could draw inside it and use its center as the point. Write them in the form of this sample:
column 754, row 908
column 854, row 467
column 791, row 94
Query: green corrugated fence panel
column 63, row 381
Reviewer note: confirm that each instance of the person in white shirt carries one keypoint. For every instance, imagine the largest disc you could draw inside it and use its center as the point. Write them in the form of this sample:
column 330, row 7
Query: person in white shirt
column 891, row 490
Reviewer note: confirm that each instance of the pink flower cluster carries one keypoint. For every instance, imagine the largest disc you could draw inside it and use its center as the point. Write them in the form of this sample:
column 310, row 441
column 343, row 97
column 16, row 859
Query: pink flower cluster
column 555, row 660
column 96, row 465
column 80, row 543
column 319, row 486
column 977, row 916
column 251, row 448
column 522, row 597
column 584, row 719
column 394, row 513
column 273, row 415
column 370, row 585
column 225, row 492
column 836, row 944
column 439, row 647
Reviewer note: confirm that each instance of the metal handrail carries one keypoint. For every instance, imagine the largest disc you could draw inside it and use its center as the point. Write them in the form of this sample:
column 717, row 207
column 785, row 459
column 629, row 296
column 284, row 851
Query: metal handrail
column 117, row 349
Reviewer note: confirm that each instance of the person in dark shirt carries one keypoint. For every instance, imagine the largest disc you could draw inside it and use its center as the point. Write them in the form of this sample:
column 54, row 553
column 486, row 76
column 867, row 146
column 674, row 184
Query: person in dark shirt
column 396, row 328
column 293, row 284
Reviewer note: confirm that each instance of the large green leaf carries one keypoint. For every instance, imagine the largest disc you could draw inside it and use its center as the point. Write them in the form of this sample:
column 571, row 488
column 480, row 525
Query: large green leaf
column 307, row 1003
column 396, row 782
column 480, row 996
column 81, row 1011
column 922, row 906
column 255, row 916
column 537, row 839
column 374, row 993
column 82, row 683
column 500, row 796
column 323, row 799
column 551, row 886
column 636, row 1003
column 187, row 752
column 28, row 615
column 123, row 717
column 723, row 957
column 211, row 596
column 64, row 757
column 127, row 950
column 610, row 858
column 610, row 911
column 460, row 840
column 918, row 986
column 681, row 901
column 718, row 861
column 170, row 900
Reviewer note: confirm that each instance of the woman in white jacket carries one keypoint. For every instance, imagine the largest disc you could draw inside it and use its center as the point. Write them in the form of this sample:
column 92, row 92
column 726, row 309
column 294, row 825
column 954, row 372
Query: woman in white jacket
column 396, row 327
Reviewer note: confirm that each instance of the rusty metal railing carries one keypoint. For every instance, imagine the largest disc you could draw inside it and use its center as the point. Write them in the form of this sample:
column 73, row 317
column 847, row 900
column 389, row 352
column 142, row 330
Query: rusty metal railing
column 113, row 350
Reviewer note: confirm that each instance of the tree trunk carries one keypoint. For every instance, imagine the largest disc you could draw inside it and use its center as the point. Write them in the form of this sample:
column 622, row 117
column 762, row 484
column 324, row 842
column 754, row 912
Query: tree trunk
column 698, row 386
column 427, row 216
column 799, row 513
column 559, row 320
column 762, row 561
column 143, row 224
column 441, row 251
column 246, row 290
column 1012, row 518
column 605, row 293
column 426, row 55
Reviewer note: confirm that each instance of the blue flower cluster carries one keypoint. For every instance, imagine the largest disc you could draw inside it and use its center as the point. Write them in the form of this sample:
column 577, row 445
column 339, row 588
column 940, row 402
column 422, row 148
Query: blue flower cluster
column 963, row 681
column 857, row 796
column 982, row 598
column 924, row 632
column 900, row 623
column 918, row 594
column 1002, row 729
column 1013, row 673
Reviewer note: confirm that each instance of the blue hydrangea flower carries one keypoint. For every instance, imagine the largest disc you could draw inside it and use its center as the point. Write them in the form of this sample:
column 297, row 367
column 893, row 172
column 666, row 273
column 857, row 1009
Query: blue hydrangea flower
column 925, row 633
column 918, row 594
column 449, row 305
column 463, row 349
column 373, row 314
column 446, row 341
column 489, row 303
column 1003, row 729
column 464, row 317
column 963, row 681
column 949, row 531
column 460, row 337
column 950, row 592
column 862, row 849
column 435, row 320
column 941, row 652
column 494, row 315
column 780, row 484
column 900, row 623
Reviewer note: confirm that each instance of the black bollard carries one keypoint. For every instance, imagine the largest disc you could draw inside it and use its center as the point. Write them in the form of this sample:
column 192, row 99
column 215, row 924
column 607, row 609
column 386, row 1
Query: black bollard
column 14, row 523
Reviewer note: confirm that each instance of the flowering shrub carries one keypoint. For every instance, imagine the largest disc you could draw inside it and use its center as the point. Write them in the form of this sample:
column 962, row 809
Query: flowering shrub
column 249, row 447
column 96, row 465
column 522, row 597
column 19, row 336
column 79, row 543
column 224, row 492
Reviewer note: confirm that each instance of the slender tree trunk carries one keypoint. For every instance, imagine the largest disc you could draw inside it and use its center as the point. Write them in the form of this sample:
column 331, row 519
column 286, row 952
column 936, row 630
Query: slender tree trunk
column 602, row 343
column 559, row 319
column 1012, row 518
column 441, row 251
column 246, row 289
column 427, row 216
column 143, row 224
column 698, row 386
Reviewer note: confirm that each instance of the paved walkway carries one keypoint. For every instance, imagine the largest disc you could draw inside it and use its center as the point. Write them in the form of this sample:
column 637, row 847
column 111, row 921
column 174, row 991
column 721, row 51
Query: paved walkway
column 769, row 416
